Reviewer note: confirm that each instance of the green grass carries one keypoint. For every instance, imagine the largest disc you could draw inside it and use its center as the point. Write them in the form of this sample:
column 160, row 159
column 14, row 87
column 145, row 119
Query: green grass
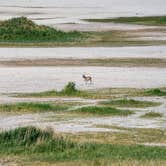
column 99, row 110
column 155, row 92
column 152, row 115
column 36, row 145
column 31, row 107
column 69, row 90
column 24, row 30
column 153, row 20
column 130, row 103
column 105, row 93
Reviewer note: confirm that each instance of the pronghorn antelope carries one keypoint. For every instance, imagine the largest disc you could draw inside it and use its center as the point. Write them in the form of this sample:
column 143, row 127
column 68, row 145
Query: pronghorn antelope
column 87, row 78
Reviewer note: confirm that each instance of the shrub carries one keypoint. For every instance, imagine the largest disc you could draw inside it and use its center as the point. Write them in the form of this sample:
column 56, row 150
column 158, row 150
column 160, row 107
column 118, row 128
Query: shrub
column 22, row 29
column 69, row 89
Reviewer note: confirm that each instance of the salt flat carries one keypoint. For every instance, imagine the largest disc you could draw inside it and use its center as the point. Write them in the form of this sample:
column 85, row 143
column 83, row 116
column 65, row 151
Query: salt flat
column 83, row 52
column 34, row 79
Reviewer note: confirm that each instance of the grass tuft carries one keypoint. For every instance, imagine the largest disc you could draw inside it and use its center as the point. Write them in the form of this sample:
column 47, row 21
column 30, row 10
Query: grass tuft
column 152, row 115
column 130, row 103
column 24, row 136
column 99, row 110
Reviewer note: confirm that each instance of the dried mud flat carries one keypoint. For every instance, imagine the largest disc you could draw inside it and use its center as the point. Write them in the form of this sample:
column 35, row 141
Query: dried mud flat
column 35, row 79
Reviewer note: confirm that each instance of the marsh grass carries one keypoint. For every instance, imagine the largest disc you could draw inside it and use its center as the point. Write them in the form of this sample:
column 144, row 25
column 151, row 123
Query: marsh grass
column 152, row 115
column 38, row 145
column 105, row 93
column 31, row 107
column 102, row 110
column 130, row 103
column 93, row 94
column 150, row 20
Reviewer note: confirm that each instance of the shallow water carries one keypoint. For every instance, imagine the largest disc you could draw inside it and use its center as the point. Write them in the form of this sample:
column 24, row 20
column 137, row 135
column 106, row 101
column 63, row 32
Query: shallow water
column 33, row 79
column 71, row 11
column 83, row 53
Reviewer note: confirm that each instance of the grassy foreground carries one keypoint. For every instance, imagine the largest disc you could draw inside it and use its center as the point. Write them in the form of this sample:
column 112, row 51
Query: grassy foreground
column 153, row 20
column 34, row 145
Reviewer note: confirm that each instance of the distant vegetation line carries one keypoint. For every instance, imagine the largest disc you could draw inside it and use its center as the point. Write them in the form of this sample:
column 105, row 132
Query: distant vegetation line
column 149, row 20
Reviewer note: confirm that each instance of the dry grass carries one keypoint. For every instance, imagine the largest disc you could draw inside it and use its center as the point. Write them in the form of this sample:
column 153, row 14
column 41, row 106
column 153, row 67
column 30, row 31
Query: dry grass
column 125, row 136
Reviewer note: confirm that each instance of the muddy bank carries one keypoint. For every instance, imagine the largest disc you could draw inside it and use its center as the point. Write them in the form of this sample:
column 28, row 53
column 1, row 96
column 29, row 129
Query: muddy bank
column 112, row 62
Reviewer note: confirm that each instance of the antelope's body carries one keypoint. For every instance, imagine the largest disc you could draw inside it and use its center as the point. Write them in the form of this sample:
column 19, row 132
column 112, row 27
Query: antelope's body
column 87, row 78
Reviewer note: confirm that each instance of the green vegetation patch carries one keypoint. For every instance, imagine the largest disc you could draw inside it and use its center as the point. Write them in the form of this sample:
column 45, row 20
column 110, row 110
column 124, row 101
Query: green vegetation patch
column 152, row 115
column 37, row 145
column 24, row 30
column 153, row 20
column 31, row 107
column 99, row 110
column 130, row 103
column 155, row 92
column 69, row 90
